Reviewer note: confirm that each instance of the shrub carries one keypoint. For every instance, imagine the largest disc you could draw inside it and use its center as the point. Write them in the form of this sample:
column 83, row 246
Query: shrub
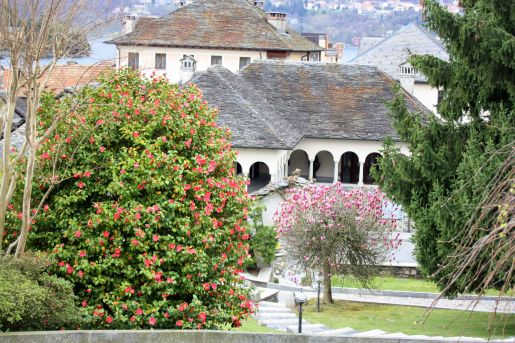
column 148, row 220
column 263, row 243
column 30, row 299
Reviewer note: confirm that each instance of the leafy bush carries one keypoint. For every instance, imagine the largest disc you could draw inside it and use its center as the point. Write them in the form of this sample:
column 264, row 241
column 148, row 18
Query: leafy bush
column 263, row 243
column 148, row 220
column 30, row 299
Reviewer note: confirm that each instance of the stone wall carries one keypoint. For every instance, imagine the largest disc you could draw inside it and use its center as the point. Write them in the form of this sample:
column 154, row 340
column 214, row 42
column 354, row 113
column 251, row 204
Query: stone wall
column 166, row 336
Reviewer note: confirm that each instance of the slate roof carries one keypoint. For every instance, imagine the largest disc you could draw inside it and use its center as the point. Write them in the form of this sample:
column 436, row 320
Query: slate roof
column 228, row 24
column 393, row 51
column 273, row 104
column 368, row 42
column 18, row 127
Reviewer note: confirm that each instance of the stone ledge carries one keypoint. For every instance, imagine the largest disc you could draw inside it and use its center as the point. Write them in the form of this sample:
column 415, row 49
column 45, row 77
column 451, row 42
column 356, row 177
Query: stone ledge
column 171, row 336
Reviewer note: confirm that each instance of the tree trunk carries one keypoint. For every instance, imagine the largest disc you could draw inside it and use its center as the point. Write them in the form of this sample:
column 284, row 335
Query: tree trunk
column 31, row 138
column 328, row 294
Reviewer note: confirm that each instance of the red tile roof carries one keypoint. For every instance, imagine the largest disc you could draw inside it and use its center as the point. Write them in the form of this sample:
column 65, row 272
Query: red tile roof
column 69, row 75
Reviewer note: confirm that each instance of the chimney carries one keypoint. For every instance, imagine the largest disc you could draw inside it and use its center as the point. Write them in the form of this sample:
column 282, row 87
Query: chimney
column 128, row 24
column 407, row 75
column 278, row 20
column 259, row 4
column 188, row 67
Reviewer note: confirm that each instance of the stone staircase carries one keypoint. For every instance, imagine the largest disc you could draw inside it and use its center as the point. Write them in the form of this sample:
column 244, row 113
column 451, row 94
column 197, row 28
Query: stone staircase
column 279, row 317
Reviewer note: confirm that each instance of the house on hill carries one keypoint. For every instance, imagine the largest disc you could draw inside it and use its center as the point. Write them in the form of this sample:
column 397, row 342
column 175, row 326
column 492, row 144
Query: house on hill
column 230, row 33
column 328, row 120
column 391, row 54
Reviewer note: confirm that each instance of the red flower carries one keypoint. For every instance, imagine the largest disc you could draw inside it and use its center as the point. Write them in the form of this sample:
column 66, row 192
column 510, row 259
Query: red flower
column 45, row 156
column 178, row 323
column 138, row 312
column 82, row 253
column 152, row 321
column 109, row 320
column 100, row 122
column 102, row 149
column 69, row 269
column 80, row 185
column 87, row 173
column 155, row 238
column 166, row 315
column 132, row 319
column 135, row 134
column 105, row 234
column 46, row 208
column 78, row 233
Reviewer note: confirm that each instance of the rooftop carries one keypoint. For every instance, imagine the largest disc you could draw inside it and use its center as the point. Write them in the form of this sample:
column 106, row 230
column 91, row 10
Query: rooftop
column 388, row 54
column 271, row 104
column 227, row 24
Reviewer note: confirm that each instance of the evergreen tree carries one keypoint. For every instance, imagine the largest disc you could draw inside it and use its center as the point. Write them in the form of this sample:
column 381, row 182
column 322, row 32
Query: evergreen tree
column 455, row 157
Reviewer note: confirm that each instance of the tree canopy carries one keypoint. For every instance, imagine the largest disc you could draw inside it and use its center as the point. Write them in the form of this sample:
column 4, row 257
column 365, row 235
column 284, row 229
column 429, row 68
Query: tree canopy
column 148, row 219
column 455, row 156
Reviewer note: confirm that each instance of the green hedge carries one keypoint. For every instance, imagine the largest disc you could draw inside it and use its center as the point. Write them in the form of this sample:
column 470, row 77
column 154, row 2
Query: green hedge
column 30, row 299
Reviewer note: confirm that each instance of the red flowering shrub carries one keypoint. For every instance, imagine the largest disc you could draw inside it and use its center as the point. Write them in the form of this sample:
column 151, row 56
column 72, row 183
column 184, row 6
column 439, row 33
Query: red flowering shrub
column 149, row 220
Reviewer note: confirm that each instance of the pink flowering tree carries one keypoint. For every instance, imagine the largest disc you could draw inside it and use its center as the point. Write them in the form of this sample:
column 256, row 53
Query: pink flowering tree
column 148, row 220
column 325, row 227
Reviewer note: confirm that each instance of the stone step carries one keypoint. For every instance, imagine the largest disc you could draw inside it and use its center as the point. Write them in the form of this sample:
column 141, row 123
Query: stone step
column 275, row 315
column 273, row 310
column 269, row 303
column 395, row 335
column 370, row 333
column 337, row 332
column 284, row 326
column 307, row 328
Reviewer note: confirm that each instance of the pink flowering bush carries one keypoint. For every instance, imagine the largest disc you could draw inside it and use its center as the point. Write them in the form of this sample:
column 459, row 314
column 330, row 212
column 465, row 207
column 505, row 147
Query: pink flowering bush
column 148, row 219
column 326, row 227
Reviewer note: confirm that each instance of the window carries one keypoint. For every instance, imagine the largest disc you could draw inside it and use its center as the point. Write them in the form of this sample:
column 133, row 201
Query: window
column 244, row 61
column 134, row 60
column 216, row 60
column 160, row 61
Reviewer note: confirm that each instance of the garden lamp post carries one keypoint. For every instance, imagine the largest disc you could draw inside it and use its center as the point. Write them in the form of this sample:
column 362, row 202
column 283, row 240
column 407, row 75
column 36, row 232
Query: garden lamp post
column 319, row 278
column 300, row 298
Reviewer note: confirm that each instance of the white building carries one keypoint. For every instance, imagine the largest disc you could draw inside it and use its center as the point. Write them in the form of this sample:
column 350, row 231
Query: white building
column 391, row 56
column 328, row 120
column 231, row 33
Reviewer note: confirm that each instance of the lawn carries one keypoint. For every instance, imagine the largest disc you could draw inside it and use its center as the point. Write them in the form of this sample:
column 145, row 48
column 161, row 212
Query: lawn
column 251, row 325
column 389, row 318
column 394, row 284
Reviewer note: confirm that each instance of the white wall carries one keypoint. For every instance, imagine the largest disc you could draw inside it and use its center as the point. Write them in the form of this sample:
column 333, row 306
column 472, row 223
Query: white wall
column 337, row 147
column 230, row 59
column 326, row 165
column 274, row 159
column 427, row 95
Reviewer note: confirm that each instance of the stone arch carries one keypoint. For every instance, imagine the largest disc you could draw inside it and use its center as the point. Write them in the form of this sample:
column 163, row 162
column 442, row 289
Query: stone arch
column 370, row 161
column 349, row 168
column 299, row 160
column 238, row 169
column 259, row 176
column 323, row 167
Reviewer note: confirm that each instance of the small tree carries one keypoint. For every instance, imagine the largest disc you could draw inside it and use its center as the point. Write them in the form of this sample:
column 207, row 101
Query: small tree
column 336, row 230
column 29, row 32
column 149, row 221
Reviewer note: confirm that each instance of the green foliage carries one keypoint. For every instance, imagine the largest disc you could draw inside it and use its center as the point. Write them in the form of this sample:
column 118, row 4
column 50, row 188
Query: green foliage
column 264, row 240
column 30, row 299
column 455, row 157
column 147, row 219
